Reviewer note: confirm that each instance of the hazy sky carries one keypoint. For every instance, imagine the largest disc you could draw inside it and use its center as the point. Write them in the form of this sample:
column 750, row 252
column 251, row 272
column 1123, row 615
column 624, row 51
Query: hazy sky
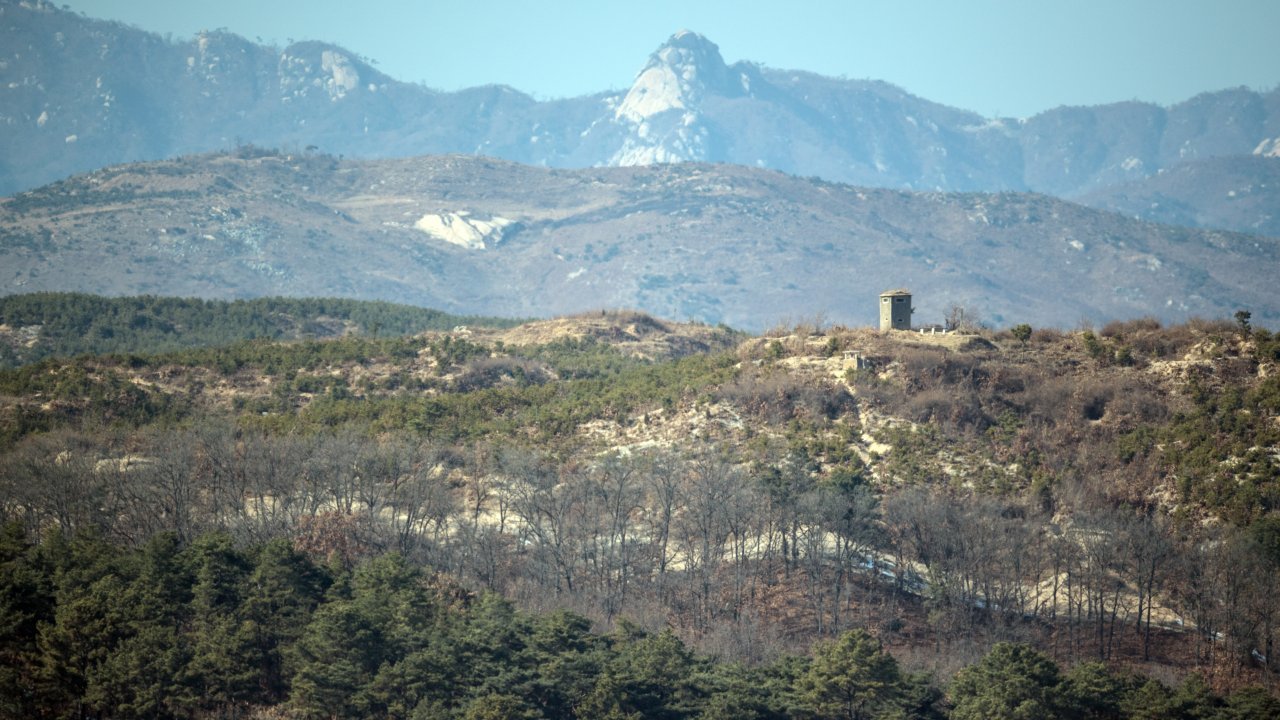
column 1005, row 57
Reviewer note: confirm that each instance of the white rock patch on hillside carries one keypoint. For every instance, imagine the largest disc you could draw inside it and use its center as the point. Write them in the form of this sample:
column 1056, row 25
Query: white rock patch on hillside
column 656, row 90
column 461, row 229
column 343, row 77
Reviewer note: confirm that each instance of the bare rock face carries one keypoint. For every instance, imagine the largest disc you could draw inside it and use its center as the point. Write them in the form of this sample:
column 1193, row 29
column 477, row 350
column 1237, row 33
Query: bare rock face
column 662, row 111
column 462, row 229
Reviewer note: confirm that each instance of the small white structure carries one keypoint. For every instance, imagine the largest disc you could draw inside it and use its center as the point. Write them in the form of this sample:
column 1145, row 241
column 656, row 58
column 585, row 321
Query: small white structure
column 895, row 310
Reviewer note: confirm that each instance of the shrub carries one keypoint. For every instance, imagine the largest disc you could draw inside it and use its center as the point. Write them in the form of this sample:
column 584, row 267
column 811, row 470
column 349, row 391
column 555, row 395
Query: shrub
column 959, row 411
column 483, row 372
column 780, row 397
column 1095, row 347
column 1046, row 336
column 1128, row 328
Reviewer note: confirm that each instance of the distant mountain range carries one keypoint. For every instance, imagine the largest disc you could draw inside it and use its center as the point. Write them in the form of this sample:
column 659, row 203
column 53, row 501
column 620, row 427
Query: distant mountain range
column 80, row 94
column 1235, row 192
column 717, row 243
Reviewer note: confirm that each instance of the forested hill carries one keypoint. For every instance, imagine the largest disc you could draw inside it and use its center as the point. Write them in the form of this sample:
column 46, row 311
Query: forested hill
column 40, row 325
column 219, row 629
column 897, row 517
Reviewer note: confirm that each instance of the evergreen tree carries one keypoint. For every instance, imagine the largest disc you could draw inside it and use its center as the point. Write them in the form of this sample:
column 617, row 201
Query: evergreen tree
column 564, row 658
column 26, row 601
column 284, row 589
column 88, row 619
column 500, row 707
column 337, row 657
column 1193, row 700
column 649, row 676
column 851, row 677
column 373, row 622
column 1090, row 690
column 226, row 661
column 1251, row 703
column 141, row 676
column 1012, row 682
column 1148, row 701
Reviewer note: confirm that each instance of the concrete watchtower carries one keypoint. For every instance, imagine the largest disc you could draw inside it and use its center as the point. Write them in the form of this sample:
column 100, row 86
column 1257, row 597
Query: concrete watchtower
column 895, row 310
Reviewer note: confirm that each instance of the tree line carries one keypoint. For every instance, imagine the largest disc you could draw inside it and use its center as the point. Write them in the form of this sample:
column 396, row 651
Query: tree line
column 689, row 537
column 213, row 628
column 73, row 324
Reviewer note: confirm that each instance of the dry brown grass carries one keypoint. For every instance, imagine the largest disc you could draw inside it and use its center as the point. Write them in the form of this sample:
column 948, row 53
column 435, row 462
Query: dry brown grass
column 778, row 396
column 634, row 333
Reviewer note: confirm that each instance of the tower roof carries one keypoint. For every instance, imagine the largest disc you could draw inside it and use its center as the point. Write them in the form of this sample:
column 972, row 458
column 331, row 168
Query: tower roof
column 899, row 291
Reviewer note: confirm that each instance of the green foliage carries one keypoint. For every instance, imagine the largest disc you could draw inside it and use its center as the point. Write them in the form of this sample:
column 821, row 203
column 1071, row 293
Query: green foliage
column 1090, row 690
column 650, row 676
column 72, row 324
column 548, row 411
column 831, row 347
column 1267, row 345
column 1096, row 347
column 337, row 657
column 500, row 707
column 596, row 381
column 1021, row 332
column 759, row 693
column 1251, row 703
column 224, row 668
column 1106, row 353
column 775, row 350
column 1124, row 356
column 1265, row 534
column 851, row 677
column 580, row 359
column 1242, row 323
column 77, row 394
column 1012, row 682
column 1148, row 701
column 230, row 627
column 218, row 629
column 1219, row 450
column 1193, row 700
column 26, row 602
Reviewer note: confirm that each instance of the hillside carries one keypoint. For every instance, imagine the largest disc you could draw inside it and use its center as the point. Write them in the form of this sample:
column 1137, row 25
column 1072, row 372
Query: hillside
column 34, row 327
column 81, row 94
column 1238, row 193
column 722, row 244
column 1107, row 495
column 954, row 409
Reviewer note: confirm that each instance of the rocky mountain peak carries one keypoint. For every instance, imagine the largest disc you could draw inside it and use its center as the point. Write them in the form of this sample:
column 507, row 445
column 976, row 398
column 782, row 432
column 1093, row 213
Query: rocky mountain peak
column 689, row 50
column 320, row 67
column 82, row 93
column 662, row 111
column 678, row 75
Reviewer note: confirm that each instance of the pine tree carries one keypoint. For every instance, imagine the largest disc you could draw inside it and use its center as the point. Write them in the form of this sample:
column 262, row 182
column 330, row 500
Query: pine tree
column 284, row 589
column 851, row 677
column 1013, row 682
column 226, row 663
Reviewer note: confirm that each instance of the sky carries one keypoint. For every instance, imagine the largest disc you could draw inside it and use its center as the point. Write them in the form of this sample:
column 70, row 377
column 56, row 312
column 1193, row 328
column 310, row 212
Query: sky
column 1006, row 58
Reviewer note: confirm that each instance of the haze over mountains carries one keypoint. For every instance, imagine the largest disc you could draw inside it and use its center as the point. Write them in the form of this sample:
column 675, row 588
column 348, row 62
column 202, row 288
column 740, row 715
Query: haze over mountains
column 717, row 243
column 723, row 239
column 83, row 93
